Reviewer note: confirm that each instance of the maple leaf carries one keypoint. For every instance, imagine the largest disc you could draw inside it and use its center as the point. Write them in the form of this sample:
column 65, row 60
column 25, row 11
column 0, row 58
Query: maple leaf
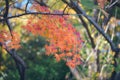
column 12, row 42
column 64, row 40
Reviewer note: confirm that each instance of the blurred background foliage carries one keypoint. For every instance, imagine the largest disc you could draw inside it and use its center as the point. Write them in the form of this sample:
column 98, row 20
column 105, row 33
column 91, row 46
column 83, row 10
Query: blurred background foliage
column 39, row 66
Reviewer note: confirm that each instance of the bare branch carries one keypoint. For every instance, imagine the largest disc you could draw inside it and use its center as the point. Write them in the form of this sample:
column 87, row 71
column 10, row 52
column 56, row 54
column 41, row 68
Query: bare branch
column 26, row 6
column 34, row 13
column 79, row 10
column 20, row 64
column 6, row 15
column 87, row 30
column 65, row 9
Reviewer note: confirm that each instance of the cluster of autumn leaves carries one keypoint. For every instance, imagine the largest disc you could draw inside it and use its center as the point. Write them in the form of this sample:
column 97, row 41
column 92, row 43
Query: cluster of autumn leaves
column 64, row 40
column 9, row 40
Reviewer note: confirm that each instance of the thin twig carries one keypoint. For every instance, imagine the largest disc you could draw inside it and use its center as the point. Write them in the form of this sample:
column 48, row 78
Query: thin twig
column 65, row 9
column 36, row 13
column 26, row 6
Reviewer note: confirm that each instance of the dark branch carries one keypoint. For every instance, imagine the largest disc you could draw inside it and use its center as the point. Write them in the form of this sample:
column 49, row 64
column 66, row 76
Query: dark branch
column 26, row 6
column 92, row 42
column 41, row 3
column 78, row 10
column 20, row 64
column 34, row 13
column 87, row 30
column 65, row 9
column 6, row 15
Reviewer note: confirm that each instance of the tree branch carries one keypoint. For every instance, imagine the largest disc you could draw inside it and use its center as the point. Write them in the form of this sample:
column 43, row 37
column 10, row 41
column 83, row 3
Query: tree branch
column 87, row 30
column 35, row 13
column 26, row 6
column 20, row 64
column 6, row 15
column 79, row 10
